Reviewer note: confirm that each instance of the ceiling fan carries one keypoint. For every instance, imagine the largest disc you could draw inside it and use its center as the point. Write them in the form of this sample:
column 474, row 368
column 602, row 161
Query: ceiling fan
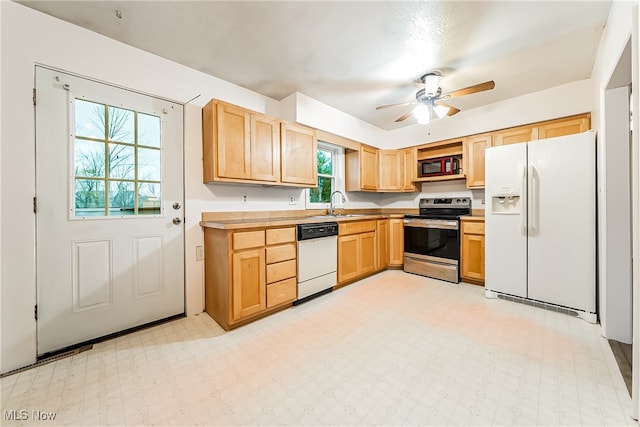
column 431, row 98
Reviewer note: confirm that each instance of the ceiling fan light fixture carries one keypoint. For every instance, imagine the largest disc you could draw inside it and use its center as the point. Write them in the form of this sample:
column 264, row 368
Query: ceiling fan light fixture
column 441, row 111
column 431, row 84
column 423, row 114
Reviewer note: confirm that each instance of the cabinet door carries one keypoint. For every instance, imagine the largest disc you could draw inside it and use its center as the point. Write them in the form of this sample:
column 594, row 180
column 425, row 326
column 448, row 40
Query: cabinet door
column 390, row 170
column 396, row 242
column 410, row 170
column 299, row 162
column 233, row 150
column 368, row 168
column 348, row 259
column 562, row 127
column 265, row 148
column 515, row 135
column 249, row 288
column 472, row 256
column 474, row 159
column 382, row 234
column 367, row 251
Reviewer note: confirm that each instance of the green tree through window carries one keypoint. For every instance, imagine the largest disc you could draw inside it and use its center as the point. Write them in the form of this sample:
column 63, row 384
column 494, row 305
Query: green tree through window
column 326, row 177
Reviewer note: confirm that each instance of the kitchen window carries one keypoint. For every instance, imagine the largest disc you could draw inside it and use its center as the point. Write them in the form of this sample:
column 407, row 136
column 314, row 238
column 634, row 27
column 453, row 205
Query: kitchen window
column 330, row 175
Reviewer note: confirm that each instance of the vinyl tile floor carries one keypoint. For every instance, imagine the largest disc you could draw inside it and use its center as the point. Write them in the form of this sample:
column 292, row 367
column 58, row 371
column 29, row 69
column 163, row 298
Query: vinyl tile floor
column 393, row 349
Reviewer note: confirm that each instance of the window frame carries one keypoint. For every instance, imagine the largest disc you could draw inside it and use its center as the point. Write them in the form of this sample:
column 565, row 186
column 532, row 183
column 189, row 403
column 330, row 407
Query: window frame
column 106, row 179
column 338, row 176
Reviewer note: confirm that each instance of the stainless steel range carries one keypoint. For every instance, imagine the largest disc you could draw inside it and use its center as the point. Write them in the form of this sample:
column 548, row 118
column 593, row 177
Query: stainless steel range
column 432, row 239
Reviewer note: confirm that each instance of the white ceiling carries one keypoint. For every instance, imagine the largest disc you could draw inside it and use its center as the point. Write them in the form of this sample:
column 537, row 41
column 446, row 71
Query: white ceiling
column 356, row 55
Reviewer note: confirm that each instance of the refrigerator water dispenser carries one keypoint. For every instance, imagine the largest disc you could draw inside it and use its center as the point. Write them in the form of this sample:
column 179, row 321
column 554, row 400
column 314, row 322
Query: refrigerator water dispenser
column 505, row 204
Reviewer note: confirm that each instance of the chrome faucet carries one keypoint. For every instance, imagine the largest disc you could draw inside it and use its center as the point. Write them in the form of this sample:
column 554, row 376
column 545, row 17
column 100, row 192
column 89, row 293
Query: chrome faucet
column 331, row 208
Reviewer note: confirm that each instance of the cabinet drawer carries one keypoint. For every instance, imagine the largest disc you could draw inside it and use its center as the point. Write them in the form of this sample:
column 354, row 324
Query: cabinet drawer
column 279, row 292
column 281, row 270
column 356, row 227
column 469, row 227
column 248, row 239
column 276, row 236
column 281, row 253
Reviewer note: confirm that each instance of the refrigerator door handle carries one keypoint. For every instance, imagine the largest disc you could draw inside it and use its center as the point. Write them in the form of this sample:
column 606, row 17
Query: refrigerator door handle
column 531, row 201
column 523, row 191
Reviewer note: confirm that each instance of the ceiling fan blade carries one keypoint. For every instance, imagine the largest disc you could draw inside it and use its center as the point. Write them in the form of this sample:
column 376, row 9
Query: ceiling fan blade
column 480, row 87
column 404, row 116
column 452, row 110
column 382, row 107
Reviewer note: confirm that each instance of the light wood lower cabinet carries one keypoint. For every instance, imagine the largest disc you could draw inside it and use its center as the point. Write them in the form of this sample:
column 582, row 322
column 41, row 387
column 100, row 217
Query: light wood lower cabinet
column 357, row 250
column 249, row 274
column 248, row 283
column 396, row 242
column 472, row 251
column 382, row 234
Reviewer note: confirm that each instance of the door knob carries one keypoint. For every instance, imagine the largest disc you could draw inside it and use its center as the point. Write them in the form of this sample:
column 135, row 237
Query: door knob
column 177, row 221
column 177, row 206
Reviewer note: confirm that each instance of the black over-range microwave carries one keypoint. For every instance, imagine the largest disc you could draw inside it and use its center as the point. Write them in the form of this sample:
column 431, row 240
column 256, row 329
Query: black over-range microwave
column 440, row 166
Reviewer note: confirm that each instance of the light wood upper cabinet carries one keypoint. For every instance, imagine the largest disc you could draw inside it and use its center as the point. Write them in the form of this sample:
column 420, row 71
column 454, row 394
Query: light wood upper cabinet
column 361, row 169
column 396, row 242
column 515, row 135
column 265, row 148
column 299, row 162
column 233, row 143
column 390, row 170
column 474, row 159
column 410, row 170
column 244, row 146
column 566, row 126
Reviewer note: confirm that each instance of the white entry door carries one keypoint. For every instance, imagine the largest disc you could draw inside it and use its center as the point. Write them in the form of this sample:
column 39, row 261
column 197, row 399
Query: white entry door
column 109, row 196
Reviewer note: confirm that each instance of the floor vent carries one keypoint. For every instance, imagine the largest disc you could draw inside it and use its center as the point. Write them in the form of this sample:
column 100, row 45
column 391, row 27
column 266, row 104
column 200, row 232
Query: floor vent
column 539, row 304
column 49, row 359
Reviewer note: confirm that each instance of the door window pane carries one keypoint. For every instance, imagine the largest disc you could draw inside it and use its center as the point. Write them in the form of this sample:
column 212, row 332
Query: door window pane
column 89, row 119
column 121, row 198
column 148, row 130
column 114, row 175
column 122, row 161
column 148, row 164
column 89, row 197
column 149, row 199
column 89, row 157
column 121, row 125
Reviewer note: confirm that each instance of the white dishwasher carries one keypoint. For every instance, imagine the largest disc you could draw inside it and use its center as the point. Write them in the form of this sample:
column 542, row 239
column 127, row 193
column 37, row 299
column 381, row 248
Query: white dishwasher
column 317, row 259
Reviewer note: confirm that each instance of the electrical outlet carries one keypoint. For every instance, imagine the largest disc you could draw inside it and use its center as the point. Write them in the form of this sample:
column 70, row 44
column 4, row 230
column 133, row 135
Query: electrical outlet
column 199, row 253
column 244, row 199
column 292, row 200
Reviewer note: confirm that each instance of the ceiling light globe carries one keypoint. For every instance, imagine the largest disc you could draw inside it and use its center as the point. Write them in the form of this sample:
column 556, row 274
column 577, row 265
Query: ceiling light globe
column 422, row 113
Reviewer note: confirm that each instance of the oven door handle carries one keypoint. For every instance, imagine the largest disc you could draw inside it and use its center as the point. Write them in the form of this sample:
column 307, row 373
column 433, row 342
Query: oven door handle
column 445, row 225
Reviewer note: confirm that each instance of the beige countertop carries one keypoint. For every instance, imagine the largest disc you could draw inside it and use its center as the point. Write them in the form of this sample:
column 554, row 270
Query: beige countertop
column 236, row 224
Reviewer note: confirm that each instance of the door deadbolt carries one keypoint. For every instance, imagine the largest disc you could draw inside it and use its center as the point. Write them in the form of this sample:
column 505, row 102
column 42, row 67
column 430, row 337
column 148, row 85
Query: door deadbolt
column 177, row 206
column 177, row 221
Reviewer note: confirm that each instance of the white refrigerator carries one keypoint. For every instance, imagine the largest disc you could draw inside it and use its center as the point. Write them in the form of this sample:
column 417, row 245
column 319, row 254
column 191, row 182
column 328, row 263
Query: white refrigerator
column 540, row 231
